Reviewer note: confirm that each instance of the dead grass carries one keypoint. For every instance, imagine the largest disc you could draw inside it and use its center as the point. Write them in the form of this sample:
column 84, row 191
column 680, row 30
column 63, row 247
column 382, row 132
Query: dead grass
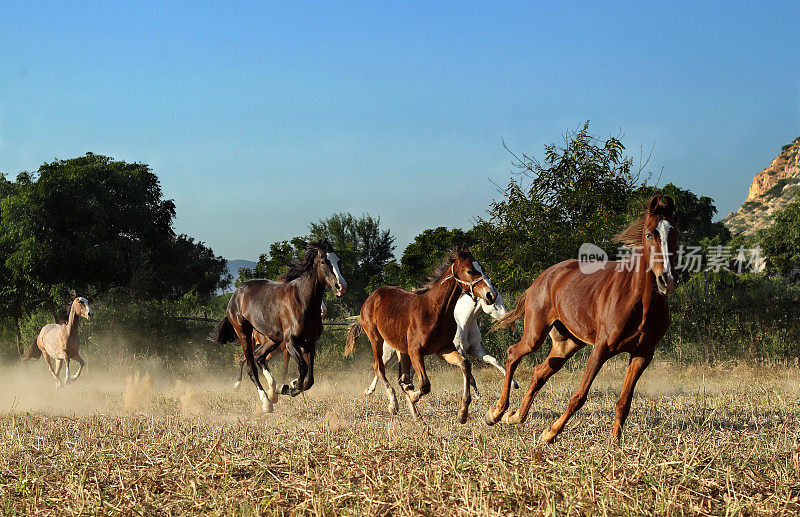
column 698, row 441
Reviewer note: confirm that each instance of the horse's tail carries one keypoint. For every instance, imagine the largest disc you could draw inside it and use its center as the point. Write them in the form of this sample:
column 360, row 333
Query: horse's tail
column 32, row 351
column 511, row 317
column 223, row 332
column 353, row 332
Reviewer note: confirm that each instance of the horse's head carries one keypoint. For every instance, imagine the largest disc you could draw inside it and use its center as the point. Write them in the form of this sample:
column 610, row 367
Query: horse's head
column 80, row 306
column 327, row 265
column 469, row 274
column 660, row 242
column 496, row 310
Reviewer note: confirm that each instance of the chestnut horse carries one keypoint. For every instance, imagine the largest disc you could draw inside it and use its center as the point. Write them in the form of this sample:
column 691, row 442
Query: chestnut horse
column 60, row 342
column 421, row 323
column 619, row 308
column 287, row 312
column 467, row 339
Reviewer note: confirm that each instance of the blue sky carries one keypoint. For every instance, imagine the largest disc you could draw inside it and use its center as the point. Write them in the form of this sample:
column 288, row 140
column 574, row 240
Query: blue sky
column 259, row 119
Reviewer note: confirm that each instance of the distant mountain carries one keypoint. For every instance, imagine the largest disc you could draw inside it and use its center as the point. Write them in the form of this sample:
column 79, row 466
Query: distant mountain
column 771, row 190
column 235, row 265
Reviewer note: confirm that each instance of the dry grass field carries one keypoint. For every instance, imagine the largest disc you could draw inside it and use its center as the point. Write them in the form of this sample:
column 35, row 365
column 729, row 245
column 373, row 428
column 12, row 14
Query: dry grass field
column 698, row 441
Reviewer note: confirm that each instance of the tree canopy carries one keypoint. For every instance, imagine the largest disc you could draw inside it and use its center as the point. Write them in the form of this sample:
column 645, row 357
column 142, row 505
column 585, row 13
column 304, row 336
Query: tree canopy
column 92, row 224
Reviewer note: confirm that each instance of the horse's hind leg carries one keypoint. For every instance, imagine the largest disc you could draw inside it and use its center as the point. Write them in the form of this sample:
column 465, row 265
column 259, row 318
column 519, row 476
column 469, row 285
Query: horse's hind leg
column 536, row 329
column 66, row 377
column 57, row 371
column 272, row 395
column 81, row 364
column 563, row 348
column 455, row 358
column 244, row 332
column 387, row 356
column 600, row 354
column 238, row 382
column 379, row 367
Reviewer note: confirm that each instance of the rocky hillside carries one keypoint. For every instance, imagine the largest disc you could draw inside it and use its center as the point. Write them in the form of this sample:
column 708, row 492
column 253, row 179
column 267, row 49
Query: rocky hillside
column 771, row 190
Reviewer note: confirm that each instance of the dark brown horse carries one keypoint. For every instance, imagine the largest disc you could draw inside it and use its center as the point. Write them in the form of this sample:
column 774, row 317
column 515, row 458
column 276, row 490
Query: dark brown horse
column 619, row 308
column 286, row 311
column 260, row 347
column 421, row 323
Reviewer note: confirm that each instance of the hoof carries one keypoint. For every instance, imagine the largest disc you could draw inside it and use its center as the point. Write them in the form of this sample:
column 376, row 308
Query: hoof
column 393, row 410
column 511, row 418
column 267, row 408
column 236, row 386
column 548, row 437
column 285, row 390
column 490, row 418
column 462, row 417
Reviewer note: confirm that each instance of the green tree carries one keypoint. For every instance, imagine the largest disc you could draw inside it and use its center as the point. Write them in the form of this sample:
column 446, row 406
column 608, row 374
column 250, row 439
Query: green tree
column 425, row 253
column 780, row 242
column 274, row 263
column 693, row 214
column 364, row 250
column 92, row 224
column 580, row 193
column 18, row 297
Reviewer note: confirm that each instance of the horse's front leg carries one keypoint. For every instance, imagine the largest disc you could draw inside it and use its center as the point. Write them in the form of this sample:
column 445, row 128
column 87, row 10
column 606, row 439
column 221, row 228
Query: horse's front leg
column 296, row 386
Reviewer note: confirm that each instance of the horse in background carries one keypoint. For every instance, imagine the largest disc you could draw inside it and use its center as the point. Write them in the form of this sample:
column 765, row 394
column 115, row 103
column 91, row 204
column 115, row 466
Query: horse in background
column 621, row 307
column 467, row 339
column 60, row 342
column 421, row 323
column 286, row 312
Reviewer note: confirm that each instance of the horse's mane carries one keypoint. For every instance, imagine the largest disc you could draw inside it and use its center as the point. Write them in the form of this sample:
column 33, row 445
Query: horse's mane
column 632, row 235
column 437, row 272
column 300, row 266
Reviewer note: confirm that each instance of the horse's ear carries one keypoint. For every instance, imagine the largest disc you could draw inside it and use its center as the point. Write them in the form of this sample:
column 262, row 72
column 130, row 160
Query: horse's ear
column 661, row 205
column 73, row 294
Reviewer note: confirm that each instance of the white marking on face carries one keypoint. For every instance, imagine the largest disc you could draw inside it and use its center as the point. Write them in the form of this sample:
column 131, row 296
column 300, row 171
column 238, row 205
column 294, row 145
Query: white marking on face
column 663, row 228
column 334, row 260
column 479, row 269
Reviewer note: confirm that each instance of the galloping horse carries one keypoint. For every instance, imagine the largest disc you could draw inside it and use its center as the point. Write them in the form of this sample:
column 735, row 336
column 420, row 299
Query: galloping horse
column 60, row 341
column 286, row 311
column 468, row 336
column 421, row 323
column 619, row 308
column 261, row 344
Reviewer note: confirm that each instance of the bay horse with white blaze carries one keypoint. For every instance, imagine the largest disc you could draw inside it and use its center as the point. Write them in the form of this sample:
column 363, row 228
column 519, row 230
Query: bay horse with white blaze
column 286, row 312
column 60, row 341
column 421, row 323
column 619, row 308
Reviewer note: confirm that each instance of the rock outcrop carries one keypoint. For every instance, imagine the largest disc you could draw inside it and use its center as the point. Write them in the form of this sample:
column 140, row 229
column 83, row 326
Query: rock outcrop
column 771, row 190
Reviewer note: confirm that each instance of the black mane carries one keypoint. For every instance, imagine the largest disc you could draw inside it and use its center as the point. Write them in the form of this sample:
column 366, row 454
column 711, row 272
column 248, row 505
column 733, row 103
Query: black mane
column 301, row 266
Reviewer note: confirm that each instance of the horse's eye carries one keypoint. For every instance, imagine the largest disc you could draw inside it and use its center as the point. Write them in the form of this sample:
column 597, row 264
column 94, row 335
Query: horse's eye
column 649, row 235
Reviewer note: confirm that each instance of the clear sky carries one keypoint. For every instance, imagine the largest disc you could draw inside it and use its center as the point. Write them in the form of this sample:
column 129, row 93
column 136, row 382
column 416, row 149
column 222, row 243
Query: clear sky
column 259, row 119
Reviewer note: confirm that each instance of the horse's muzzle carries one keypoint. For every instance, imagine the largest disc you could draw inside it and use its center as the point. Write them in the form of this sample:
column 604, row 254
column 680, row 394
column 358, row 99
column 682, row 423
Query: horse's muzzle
column 665, row 284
